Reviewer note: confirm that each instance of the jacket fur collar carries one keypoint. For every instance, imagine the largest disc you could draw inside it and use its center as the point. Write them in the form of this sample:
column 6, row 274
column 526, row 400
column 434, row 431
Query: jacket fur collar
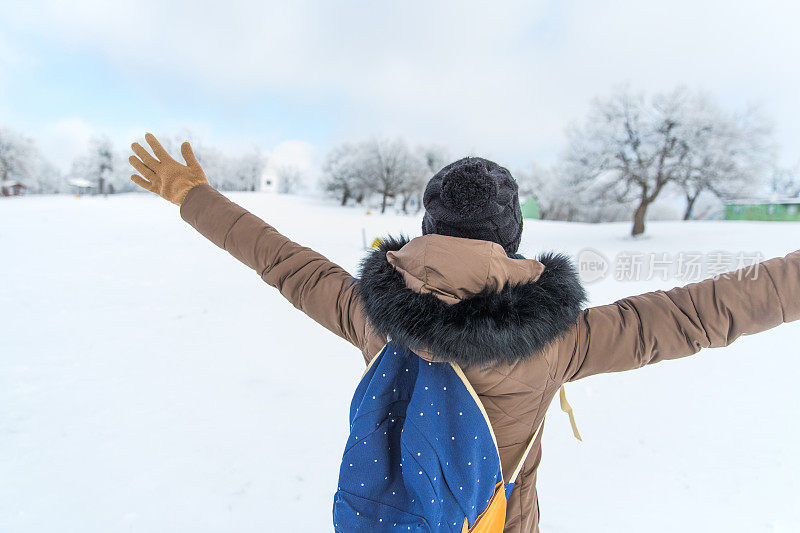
column 488, row 327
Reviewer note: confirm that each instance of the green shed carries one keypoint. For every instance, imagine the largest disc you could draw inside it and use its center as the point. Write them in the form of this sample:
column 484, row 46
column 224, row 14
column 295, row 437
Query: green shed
column 773, row 210
column 530, row 208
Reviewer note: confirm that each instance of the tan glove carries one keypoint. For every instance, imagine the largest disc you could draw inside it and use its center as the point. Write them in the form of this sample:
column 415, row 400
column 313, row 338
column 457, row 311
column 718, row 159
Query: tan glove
column 162, row 174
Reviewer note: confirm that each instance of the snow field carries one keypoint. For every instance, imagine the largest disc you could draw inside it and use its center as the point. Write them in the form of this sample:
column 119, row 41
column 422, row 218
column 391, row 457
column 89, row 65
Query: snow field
column 149, row 382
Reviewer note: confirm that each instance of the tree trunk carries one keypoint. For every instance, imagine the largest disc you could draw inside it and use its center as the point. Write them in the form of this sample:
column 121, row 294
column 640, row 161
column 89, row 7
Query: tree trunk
column 687, row 215
column 345, row 197
column 405, row 202
column 638, row 218
column 383, row 203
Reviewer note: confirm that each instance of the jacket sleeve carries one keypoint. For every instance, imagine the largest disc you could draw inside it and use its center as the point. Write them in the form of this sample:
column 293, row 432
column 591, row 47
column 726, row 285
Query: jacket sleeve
column 318, row 287
column 660, row 325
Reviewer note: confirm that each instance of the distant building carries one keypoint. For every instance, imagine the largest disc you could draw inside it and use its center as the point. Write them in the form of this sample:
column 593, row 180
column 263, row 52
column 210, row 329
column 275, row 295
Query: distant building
column 269, row 178
column 530, row 208
column 288, row 167
column 785, row 209
column 81, row 186
column 11, row 188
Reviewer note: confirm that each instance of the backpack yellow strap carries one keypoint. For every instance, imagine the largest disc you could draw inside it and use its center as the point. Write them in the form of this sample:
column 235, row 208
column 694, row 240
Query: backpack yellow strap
column 374, row 357
column 471, row 390
column 517, row 470
column 567, row 408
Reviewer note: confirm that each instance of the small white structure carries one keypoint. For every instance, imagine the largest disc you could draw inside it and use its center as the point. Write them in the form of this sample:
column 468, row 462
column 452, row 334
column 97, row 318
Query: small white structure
column 81, row 186
column 288, row 166
column 269, row 177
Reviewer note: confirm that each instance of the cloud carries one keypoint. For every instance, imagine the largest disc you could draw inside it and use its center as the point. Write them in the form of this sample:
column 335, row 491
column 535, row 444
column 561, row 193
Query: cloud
column 502, row 79
column 10, row 56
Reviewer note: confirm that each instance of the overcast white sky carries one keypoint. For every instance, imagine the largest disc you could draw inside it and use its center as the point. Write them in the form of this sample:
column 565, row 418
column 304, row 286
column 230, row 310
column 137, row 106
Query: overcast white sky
column 498, row 79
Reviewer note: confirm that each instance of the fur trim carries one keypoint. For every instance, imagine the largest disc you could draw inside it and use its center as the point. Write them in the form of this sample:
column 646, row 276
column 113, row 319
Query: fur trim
column 488, row 328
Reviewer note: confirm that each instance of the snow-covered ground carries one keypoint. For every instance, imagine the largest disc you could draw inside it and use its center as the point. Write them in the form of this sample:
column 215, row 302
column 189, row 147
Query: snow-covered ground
column 149, row 382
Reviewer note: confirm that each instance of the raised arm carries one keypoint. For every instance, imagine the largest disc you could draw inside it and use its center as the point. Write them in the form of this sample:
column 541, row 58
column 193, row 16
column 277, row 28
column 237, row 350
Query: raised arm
column 318, row 287
column 659, row 325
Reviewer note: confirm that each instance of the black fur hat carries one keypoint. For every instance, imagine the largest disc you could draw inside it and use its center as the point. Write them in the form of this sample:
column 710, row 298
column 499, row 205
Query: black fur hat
column 474, row 198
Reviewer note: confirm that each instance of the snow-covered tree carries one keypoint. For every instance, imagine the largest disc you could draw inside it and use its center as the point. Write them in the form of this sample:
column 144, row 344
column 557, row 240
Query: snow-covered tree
column 224, row 172
column 628, row 149
column 22, row 161
column 344, row 173
column 785, row 182
column 434, row 156
column 17, row 157
column 104, row 155
column 633, row 146
column 725, row 155
column 290, row 177
column 430, row 160
column 556, row 202
column 214, row 163
column 413, row 183
column 384, row 167
column 102, row 166
column 388, row 165
column 391, row 170
column 248, row 168
column 562, row 197
column 47, row 178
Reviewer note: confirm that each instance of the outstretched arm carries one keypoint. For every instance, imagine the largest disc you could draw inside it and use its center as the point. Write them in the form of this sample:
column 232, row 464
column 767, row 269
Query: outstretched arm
column 659, row 325
column 312, row 283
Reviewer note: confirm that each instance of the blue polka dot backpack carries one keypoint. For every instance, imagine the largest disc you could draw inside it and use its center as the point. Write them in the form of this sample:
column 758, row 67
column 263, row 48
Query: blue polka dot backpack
column 421, row 455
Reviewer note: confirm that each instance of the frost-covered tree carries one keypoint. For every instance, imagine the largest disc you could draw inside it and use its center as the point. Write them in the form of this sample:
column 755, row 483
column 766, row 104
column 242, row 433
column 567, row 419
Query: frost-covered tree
column 385, row 167
column 785, row 182
column 48, row 179
column 416, row 175
column 725, row 155
column 118, row 179
column 17, row 157
column 102, row 166
column 420, row 165
column 430, row 160
column 629, row 149
column 248, row 168
column 389, row 166
column 104, row 156
column 434, row 156
column 215, row 165
column 290, row 177
column 225, row 172
column 632, row 146
column 556, row 199
column 562, row 197
column 23, row 162
column 344, row 172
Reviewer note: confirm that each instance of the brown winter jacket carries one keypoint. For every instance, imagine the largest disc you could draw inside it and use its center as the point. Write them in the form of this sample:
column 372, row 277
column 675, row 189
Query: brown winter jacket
column 518, row 322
